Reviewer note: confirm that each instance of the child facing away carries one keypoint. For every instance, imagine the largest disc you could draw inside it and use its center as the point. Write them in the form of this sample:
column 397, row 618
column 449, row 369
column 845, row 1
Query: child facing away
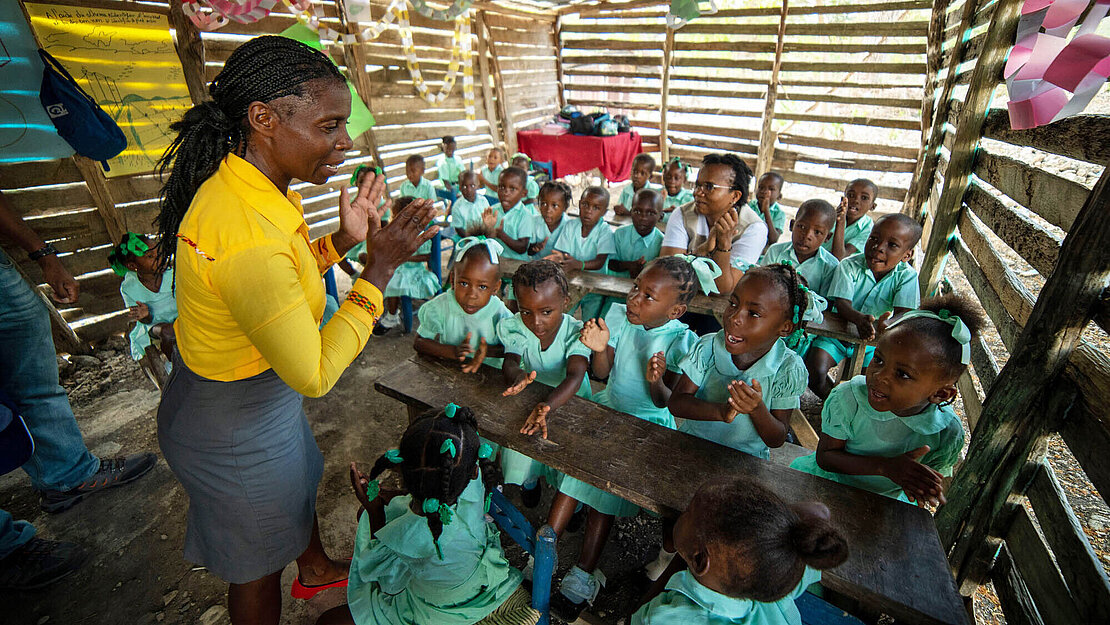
column 430, row 555
column 554, row 198
column 490, row 173
column 416, row 186
column 531, row 188
column 768, row 192
column 808, row 230
column 893, row 431
column 541, row 344
column 467, row 210
column 448, row 169
column 853, row 226
column 461, row 324
column 638, row 243
column 642, row 168
column 586, row 243
column 516, row 223
column 637, row 347
column 749, row 555
column 864, row 287
column 412, row 279
column 740, row 385
column 147, row 292
column 675, row 173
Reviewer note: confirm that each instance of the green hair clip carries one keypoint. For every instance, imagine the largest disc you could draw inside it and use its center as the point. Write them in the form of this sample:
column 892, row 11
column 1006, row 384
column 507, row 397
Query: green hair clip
column 372, row 490
column 394, row 456
column 448, row 447
column 430, row 505
column 450, row 410
column 485, row 451
column 132, row 245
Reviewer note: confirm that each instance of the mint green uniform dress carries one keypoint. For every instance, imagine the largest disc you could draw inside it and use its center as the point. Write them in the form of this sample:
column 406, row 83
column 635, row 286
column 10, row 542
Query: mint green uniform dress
column 631, row 246
column 422, row 191
column 817, row 270
column 550, row 366
column 448, row 169
column 686, row 602
column 628, row 390
column 551, row 235
column 163, row 307
column 414, row 279
column 855, row 234
column 855, row 282
column 684, row 196
column 466, row 215
column 444, row 317
column 778, row 217
column 628, row 194
column 584, row 249
column 520, row 223
column 848, row 416
column 531, row 188
column 492, row 176
column 780, row 372
column 396, row 577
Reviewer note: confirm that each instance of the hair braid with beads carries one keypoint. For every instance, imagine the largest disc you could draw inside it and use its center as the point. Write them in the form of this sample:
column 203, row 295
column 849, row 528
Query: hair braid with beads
column 558, row 186
column 261, row 70
column 682, row 272
column 795, row 287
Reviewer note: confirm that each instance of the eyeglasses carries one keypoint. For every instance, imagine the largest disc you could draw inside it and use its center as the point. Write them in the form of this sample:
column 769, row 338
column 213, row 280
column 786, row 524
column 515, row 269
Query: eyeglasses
column 708, row 187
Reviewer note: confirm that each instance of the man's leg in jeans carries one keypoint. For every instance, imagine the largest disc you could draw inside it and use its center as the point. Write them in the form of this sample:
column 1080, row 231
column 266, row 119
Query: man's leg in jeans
column 29, row 376
column 28, row 562
column 13, row 534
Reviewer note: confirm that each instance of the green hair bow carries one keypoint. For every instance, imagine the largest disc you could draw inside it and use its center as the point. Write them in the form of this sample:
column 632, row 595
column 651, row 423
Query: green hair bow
column 960, row 332
column 706, row 271
column 448, row 447
column 494, row 248
column 394, row 456
column 132, row 245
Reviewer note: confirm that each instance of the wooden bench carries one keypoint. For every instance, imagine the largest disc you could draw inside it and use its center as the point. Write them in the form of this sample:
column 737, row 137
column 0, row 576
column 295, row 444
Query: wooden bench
column 897, row 565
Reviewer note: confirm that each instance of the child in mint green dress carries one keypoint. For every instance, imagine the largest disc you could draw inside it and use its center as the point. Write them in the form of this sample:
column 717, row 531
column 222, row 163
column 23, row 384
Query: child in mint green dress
column 853, row 225
column 461, row 324
column 431, row 555
column 639, row 242
column 541, row 344
column 808, row 230
column 531, row 187
column 768, row 192
column 490, row 173
column 147, row 292
column 517, row 229
column 643, row 166
column 750, row 555
column 675, row 173
column 893, row 431
column 740, row 385
column 554, row 198
column 468, row 208
column 586, row 243
column 412, row 279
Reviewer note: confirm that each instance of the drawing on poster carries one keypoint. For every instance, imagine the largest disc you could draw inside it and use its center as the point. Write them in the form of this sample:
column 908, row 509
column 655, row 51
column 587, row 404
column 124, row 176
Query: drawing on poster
column 126, row 61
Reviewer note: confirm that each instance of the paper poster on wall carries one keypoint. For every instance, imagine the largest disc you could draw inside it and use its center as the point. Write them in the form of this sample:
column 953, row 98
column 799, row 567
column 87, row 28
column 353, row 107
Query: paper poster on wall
column 26, row 132
column 126, row 61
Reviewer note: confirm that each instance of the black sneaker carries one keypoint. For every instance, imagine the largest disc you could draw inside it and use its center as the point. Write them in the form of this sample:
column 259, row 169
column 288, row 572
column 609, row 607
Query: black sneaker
column 113, row 472
column 39, row 563
column 530, row 497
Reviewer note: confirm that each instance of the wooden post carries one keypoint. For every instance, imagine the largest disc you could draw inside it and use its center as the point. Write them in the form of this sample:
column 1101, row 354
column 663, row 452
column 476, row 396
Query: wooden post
column 65, row 339
column 984, row 78
column 507, row 126
column 766, row 136
column 190, row 49
column 355, row 60
column 484, row 76
column 668, row 59
column 559, row 61
column 1016, row 414
column 113, row 218
column 933, row 129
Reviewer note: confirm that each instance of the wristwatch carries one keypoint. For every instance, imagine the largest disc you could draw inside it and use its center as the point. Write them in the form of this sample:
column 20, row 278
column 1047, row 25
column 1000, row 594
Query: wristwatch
column 45, row 250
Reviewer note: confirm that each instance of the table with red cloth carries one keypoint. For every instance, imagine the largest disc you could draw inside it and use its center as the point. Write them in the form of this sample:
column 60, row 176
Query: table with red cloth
column 574, row 154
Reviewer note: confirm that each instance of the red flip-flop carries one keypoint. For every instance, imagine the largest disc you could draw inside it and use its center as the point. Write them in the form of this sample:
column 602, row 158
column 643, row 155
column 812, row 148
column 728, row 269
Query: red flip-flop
column 303, row 591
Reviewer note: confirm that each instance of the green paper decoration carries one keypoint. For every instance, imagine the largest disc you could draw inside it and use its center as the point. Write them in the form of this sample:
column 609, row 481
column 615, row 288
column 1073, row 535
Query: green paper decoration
column 361, row 119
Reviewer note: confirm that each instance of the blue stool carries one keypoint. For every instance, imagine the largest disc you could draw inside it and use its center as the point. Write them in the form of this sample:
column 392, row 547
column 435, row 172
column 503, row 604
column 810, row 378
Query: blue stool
column 540, row 545
column 548, row 167
column 817, row 611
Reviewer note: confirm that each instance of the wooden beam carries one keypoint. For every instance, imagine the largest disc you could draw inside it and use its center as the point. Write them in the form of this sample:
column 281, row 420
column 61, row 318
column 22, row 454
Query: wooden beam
column 190, row 50
column 558, row 38
column 1017, row 604
column 507, row 126
column 484, row 77
column 1035, row 243
column 1034, row 563
column 1069, row 137
column 988, row 71
column 1019, row 409
column 664, row 93
column 1053, row 197
column 355, row 59
column 766, row 135
column 105, row 205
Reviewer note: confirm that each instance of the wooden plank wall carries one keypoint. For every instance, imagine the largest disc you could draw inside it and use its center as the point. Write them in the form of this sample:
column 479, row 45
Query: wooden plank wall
column 1009, row 226
column 848, row 104
column 57, row 201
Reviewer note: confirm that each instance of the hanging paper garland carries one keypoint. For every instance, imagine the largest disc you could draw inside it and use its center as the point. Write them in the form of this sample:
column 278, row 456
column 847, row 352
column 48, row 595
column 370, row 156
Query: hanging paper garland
column 443, row 15
column 204, row 18
column 220, row 12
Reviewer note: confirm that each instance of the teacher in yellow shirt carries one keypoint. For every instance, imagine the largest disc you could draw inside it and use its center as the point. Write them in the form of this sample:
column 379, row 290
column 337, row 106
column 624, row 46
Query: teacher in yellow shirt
column 250, row 300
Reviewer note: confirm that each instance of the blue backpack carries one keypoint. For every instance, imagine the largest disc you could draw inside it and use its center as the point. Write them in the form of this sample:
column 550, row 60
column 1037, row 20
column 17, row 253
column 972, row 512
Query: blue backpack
column 78, row 118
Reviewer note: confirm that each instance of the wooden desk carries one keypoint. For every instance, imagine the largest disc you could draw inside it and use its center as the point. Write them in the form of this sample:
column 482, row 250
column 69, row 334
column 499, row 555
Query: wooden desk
column 896, row 563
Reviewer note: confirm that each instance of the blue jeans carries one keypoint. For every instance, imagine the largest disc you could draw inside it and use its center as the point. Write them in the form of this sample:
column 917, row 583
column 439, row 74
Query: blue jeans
column 29, row 376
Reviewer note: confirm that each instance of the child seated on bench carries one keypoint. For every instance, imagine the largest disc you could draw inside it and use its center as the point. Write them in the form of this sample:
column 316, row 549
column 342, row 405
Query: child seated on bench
column 638, row 243
column 469, row 206
column 643, row 166
column 490, row 173
column 531, row 187
column 808, row 230
column 147, row 293
column 412, row 279
column 853, row 226
column 675, row 173
column 864, row 287
column 893, row 431
column 461, row 324
column 749, row 556
column 516, row 224
column 768, row 192
column 448, row 169
column 554, row 198
column 416, row 185
column 637, row 347
column 436, row 558
column 586, row 243
column 543, row 340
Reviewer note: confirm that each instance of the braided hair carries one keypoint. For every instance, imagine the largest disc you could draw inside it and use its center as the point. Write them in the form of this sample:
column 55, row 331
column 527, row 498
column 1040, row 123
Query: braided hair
column 532, row 275
column 682, row 272
column 558, row 186
column 741, row 173
column 263, row 69
column 766, row 544
column 795, row 288
column 429, row 473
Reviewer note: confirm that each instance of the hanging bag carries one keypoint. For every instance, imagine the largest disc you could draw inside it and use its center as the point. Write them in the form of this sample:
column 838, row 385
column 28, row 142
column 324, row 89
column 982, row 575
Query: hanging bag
column 78, row 118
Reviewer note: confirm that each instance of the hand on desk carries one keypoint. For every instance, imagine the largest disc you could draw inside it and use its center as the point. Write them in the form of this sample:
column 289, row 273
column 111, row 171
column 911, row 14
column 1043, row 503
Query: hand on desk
column 656, row 367
column 595, row 335
column 920, row 482
column 882, row 323
column 865, row 325
column 537, row 420
column 523, row 380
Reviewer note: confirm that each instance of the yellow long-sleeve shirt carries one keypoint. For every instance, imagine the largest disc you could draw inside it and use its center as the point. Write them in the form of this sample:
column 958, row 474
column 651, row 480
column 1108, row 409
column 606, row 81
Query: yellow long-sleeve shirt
column 249, row 290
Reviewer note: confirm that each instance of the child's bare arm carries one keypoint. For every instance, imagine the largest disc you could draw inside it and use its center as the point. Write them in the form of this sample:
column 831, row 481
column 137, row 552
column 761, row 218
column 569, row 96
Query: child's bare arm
column 520, row 246
column 917, row 480
column 773, row 233
column 685, row 405
column 838, row 248
column 433, row 347
column 597, row 263
column 576, row 372
column 748, row 399
column 865, row 324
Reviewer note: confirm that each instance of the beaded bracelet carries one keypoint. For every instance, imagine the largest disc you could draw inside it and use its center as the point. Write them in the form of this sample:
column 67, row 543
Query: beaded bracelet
column 360, row 300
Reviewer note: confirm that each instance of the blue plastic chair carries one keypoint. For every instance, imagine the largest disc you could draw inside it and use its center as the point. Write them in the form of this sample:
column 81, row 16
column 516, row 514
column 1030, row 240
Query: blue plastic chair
column 548, row 167
column 816, row 611
column 540, row 545
column 329, row 283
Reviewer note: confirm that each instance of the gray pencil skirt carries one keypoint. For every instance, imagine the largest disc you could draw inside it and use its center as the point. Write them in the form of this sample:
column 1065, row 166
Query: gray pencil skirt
column 246, row 456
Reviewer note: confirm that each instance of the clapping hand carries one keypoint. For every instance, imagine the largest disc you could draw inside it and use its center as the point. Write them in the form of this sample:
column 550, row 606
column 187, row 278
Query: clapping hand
column 656, row 367
column 743, row 398
column 138, row 312
column 595, row 335
column 518, row 385
column 479, row 356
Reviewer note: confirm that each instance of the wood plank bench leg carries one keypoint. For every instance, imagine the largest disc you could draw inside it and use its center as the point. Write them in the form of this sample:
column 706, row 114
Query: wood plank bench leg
column 855, row 363
column 803, row 431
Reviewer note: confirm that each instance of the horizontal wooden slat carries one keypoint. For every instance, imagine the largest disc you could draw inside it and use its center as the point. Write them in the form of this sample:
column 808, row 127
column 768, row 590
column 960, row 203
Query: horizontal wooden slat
column 1077, row 560
column 1007, row 328
column 1088, row 438
column 908, row 28
column 837, row 184
column 1069, row 137
column 1034, row 562
column 612, row 11
column 38, row 173
column 102, row 328
column 982, row 359
column 877, row 149
column 1054, row 198
column 716, row 131
column 724, row 77
column 755, row 94
column 1013, row 294
column 859, row 164
column 1034, row 243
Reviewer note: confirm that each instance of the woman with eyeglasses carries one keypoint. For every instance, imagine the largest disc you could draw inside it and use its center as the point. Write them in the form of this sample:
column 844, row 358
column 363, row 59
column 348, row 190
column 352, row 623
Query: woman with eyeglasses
column 718, row 224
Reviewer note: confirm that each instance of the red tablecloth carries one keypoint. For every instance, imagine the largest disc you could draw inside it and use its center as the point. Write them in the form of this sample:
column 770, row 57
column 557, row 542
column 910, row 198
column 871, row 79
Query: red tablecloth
column 573, row 154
